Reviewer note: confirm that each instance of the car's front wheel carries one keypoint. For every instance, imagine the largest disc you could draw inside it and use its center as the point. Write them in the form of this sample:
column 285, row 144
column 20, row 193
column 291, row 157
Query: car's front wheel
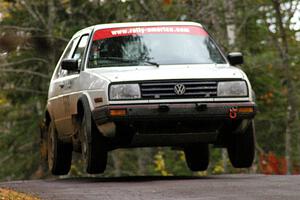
column 197, row 156
column 241, row 147
column 93, row 148
column 59, row 153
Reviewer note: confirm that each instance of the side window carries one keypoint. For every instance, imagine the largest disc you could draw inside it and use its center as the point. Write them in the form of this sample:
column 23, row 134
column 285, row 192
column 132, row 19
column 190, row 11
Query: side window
column 67, row 54
column 79, row 51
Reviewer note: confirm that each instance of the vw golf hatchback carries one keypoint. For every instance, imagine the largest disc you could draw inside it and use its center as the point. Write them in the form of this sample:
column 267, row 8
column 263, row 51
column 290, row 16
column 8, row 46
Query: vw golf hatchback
column 144, row 85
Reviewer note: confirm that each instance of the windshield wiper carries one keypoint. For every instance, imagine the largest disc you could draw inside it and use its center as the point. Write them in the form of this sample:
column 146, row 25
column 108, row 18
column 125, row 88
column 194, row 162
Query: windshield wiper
column 114, row 59
column 150, row 62
column 124, row 60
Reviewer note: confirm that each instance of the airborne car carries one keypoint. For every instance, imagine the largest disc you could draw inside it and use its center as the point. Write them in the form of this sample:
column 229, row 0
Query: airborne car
column 143, row 85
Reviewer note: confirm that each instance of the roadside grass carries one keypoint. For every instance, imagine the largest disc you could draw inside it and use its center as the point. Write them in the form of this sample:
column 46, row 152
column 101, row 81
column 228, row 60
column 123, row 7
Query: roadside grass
column 8, row 194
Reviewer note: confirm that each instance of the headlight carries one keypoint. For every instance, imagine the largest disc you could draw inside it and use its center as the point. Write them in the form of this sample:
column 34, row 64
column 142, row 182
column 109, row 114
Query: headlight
column 124, row 91
column 232, row 89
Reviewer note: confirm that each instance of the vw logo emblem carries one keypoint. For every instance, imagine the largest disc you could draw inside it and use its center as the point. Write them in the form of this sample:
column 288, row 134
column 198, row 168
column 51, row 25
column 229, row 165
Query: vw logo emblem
column 179, row 89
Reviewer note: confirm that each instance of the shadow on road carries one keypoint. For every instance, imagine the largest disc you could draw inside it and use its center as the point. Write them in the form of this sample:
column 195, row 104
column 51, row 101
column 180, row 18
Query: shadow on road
column 131, row 178
column 151, row 178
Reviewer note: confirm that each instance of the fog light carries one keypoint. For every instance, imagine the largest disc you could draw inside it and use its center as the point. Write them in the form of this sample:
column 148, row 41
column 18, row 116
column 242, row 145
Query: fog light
column 118, row 112
column 245, row 110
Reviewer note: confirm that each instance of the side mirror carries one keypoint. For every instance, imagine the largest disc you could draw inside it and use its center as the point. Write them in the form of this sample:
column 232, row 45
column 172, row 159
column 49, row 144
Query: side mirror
column 235, row 58
column 70, row 64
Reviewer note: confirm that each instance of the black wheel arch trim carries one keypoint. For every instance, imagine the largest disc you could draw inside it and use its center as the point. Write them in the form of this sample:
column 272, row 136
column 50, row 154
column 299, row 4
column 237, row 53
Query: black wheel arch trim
column 84, row 102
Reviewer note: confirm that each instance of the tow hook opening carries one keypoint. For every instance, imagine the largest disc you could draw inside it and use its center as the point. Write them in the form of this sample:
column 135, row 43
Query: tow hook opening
column 163, row 108
column 201, row 107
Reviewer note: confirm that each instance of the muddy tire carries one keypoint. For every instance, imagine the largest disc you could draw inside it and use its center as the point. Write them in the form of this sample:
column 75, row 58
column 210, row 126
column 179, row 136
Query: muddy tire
column 241, row 148
column 93, row 147
column 59, row 153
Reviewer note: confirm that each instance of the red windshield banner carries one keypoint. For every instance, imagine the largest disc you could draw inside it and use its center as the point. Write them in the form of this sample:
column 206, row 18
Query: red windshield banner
column 126, row 31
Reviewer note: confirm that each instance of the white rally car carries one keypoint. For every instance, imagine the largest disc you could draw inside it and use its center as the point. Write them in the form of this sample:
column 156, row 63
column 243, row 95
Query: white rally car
column 147, row 84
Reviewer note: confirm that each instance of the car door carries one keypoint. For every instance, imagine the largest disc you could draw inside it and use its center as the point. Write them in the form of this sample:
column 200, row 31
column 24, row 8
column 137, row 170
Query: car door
column 70, row 90
column 57, row 101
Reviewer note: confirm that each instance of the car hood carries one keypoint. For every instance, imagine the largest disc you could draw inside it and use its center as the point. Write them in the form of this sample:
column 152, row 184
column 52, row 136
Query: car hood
column 137, row 73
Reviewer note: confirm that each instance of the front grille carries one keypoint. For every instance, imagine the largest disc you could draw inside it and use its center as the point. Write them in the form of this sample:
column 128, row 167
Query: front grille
column 166, row 90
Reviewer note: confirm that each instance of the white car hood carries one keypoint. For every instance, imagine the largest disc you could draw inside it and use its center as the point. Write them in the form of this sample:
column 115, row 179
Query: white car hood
column 165, row 72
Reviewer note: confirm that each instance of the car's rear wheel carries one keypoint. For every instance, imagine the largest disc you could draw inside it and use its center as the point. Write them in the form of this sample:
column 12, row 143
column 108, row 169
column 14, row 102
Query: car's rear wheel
column 241, row 147
column 197, row 156
column 93, row 147
column 59, row 153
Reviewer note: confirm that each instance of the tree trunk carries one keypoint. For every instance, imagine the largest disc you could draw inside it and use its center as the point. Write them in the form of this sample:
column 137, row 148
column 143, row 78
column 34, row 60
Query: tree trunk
column 291, row 97
column 230, row 24
column 50, row 26
column 117, row 162
column 144, row 158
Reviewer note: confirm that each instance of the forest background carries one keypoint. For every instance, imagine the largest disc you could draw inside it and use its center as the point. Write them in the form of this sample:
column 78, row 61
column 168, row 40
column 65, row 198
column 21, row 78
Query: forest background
column 33, row 34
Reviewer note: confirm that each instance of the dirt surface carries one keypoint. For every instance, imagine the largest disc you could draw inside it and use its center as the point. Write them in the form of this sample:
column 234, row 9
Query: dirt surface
column 223, row 187
column 6, row 194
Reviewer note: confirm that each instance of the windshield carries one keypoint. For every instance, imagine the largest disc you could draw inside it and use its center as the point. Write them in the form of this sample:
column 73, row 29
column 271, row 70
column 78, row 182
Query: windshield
column 162, row 45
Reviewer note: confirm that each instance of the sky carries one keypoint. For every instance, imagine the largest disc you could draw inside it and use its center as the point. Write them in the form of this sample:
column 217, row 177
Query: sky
column 296, row 19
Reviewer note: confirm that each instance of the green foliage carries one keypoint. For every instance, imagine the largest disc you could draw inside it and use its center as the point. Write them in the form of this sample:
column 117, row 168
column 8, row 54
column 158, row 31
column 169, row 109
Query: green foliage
column 19, row 151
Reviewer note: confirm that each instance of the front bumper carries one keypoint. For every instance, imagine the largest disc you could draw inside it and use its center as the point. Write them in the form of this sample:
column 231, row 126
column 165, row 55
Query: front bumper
column 172, row 124
column 175, row 111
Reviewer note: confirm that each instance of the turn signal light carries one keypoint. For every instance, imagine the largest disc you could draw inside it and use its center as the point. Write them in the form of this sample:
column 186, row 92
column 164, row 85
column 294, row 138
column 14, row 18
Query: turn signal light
column 98, row 100
column 118, row 112
column 245, row 110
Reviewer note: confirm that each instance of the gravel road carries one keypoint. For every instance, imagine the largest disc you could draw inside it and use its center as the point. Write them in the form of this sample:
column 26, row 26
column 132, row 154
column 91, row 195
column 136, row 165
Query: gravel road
column 222, row 187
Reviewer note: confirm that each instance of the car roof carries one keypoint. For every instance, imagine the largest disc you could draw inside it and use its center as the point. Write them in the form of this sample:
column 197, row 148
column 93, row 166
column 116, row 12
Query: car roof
column 135, row 24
